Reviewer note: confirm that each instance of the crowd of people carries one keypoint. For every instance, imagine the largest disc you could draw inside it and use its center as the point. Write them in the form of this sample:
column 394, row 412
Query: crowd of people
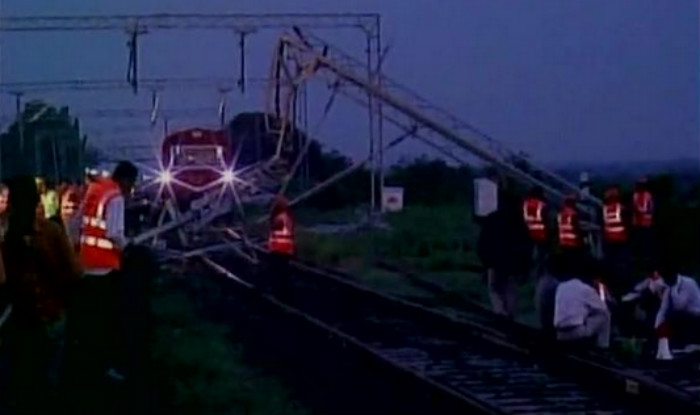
column 62, row 282
column 633, row 288
column 61, row 255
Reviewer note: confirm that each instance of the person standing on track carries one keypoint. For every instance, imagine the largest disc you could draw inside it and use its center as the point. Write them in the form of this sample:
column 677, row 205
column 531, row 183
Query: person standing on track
column 505, row 250
column 49, row 198
column 545, row 294
column 570, row 236
column 643, row 221
column 102, row 241
column 280, row 243
column 615, row 236
column 535, row 215
column 41, row 270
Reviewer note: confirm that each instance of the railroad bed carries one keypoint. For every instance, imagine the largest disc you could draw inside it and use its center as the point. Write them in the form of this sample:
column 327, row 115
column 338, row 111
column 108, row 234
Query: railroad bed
column 480, row 367
column 682, row 374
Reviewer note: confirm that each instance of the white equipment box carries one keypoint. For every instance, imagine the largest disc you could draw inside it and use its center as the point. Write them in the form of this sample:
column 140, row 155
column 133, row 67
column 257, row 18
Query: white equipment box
column 485, row 197
column 392, row 199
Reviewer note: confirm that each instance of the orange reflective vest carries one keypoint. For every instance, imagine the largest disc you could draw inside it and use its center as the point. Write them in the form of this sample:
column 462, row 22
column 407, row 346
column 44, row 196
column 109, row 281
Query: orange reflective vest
column 642, row 204
column 96, row 250
column 613, row 226
column 568, row 234
column 281, row 239
column 532, row 213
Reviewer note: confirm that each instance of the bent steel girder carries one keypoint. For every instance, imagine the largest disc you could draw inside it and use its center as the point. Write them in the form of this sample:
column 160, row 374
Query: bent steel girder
column 405, row 104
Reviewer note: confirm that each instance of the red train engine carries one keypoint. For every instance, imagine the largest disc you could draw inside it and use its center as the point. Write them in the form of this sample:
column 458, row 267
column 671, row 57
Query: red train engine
column 196, row 161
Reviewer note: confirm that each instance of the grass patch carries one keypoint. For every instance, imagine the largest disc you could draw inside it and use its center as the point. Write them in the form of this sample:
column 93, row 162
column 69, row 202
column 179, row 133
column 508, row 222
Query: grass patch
column 311, row 216
column 438, row 242
column 429, row 238
column 203, row 372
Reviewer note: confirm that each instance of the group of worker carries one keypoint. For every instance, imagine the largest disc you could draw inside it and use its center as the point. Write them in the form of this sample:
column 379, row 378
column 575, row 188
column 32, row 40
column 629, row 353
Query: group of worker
column 617, row 229
column 577, row 292
column 61, row 255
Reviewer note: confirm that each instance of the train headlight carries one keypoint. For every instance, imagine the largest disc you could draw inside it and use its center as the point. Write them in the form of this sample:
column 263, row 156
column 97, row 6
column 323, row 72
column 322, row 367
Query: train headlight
column 165, row 177
column 227, row 176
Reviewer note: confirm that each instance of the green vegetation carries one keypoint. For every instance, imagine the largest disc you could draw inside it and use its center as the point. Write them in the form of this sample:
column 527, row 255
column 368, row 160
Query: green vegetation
column 202, row 371
column 436, row 235
column 431, row 238
column 436, row 241
column 47, row 142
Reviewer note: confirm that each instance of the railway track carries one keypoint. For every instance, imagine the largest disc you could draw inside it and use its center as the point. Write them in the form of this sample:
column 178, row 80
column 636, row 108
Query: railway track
column 682, row 375
column 477, row 366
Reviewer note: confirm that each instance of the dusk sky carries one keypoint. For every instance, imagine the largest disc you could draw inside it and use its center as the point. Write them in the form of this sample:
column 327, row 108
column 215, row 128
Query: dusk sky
column 562, row 80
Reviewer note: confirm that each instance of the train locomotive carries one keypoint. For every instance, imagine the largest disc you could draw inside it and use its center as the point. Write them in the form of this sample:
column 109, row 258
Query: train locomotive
column 198, row 161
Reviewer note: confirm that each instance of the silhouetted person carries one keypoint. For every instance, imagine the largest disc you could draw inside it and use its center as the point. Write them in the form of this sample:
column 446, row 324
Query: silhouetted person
column 41, row 268
column 643, row 221
column 505, row 250
column 545, row 293
column 570, row 237
column 535, row 216
column 4, row 202
column 615, row 240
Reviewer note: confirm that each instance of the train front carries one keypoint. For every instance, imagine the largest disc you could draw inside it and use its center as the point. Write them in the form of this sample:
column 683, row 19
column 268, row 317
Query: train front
column 196, row 162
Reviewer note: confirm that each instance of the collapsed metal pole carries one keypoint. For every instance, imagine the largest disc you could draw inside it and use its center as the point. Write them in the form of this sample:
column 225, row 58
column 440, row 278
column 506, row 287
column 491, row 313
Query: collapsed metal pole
column 241, row 69
column 380, row 118
column 414, row 114
column 20, row 121
column 442, row 117
column 132, row 71
column 371, row 161
column 451, row 155
column 302, row 154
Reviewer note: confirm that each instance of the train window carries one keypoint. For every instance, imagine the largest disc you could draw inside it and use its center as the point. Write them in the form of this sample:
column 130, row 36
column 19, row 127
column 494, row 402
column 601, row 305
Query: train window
column 198, row 156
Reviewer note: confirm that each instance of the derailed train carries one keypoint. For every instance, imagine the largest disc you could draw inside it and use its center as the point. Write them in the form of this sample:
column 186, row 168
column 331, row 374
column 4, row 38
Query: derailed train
column 195, row 161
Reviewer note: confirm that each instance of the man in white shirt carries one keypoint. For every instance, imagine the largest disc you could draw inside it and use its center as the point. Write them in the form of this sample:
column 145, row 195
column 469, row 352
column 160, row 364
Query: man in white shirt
column 579, row 311
column 679, row 312
column 678, row 318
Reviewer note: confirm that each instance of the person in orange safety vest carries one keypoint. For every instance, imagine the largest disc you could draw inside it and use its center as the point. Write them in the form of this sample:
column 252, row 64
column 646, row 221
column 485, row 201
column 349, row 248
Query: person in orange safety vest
column 568, row 225
column 570, row 237
column 534, row 214
column 281, row 238
column 614, row 228
column 615, row 235
column 102, row 241
column 642, row 206
column 99, row 250
column 643, row 221
column 280, row 244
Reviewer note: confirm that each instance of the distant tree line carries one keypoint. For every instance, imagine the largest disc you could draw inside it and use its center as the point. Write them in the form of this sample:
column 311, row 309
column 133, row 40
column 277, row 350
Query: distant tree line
column 45, row 140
